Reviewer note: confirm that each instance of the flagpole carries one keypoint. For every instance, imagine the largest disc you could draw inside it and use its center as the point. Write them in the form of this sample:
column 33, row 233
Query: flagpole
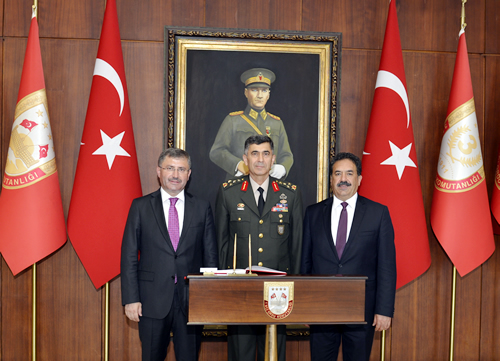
column 106, row 323
column 462, row 16
column 33, row 306
column 382, row 347
column 453, row 306
column 454, row 281
column 33, row 321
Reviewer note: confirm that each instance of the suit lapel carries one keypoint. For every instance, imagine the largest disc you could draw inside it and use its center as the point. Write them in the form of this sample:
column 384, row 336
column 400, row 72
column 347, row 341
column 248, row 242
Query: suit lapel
column 357, row 222
column 327, row 224
column 160, row 216
column 188, row 216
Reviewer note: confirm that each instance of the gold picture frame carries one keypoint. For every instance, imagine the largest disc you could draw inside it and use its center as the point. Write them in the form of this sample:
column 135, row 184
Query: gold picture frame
column 202, row 86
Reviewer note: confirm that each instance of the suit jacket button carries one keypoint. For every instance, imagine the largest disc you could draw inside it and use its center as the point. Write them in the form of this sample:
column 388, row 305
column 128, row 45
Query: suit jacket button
column 261, row 221
column 261, row 250
column 261, row 235
column 340, row 266
column 260, row 264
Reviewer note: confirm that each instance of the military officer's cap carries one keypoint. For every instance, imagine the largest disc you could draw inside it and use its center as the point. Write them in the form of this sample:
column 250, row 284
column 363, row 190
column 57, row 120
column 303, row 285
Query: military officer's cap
column 258, row 77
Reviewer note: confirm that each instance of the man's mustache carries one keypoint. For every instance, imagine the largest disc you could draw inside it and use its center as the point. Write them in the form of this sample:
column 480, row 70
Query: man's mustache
column 343, row 183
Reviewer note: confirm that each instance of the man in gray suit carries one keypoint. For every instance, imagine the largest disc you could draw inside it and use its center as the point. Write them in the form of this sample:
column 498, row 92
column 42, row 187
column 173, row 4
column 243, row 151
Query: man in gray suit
column 168, row 234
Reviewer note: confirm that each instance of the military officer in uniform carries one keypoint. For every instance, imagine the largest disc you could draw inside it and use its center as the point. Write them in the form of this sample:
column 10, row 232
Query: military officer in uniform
column 227, row 149
column 270, row 210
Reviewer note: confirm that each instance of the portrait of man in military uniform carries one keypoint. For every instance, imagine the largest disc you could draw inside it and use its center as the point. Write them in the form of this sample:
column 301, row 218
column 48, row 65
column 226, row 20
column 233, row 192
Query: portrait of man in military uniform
column 214, row 90
column 227, row 150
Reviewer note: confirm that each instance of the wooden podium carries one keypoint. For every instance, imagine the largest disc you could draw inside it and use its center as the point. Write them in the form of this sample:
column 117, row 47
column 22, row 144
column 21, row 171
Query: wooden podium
column 230, row 300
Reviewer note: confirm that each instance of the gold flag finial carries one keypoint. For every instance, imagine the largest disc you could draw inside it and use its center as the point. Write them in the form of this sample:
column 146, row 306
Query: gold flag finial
column 462, row 16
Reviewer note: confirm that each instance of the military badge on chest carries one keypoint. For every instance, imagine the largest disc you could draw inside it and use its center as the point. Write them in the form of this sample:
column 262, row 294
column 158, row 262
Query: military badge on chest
column 282, row 205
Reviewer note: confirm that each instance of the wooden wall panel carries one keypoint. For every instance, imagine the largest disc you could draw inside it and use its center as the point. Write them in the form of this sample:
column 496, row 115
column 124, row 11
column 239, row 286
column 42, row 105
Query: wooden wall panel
column 493, row 27
column 434, row 25
column 356, row 98
column 56, row 18
column 145, row 20
column 277, row 15
column 429, row 25
column 362, row 23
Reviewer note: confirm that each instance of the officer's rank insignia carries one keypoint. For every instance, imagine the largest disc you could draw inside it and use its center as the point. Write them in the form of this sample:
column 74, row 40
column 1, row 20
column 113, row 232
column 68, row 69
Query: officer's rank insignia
column 276, row 187
column 224, row 184
column 244, row 186
column 278, row 299
column 294, row 187
column 268, row 131
column 240, row 206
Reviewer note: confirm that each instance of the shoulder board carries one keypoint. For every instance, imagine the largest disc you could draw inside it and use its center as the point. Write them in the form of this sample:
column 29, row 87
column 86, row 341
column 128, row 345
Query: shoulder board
column 236, row 113
column 231, row 182
column 288, row 185
column 274, row 116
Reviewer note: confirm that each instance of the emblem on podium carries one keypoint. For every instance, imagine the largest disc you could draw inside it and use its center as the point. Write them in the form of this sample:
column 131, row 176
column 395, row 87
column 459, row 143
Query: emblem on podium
column 278, row 299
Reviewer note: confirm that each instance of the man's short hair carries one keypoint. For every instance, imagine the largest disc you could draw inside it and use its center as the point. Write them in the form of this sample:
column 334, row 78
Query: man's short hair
column 174, row 153
column 350, row 156
column 258, row 139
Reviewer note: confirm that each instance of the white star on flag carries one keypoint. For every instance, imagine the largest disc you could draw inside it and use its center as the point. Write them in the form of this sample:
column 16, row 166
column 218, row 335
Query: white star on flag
column 400, row 158
column 111, row 148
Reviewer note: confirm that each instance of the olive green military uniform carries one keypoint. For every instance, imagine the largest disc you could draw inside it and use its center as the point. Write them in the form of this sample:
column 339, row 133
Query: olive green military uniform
column 276, row 237
column 229, row 145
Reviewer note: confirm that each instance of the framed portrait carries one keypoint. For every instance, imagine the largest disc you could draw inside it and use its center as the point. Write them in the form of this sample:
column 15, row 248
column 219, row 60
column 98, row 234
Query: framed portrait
column 202, row 87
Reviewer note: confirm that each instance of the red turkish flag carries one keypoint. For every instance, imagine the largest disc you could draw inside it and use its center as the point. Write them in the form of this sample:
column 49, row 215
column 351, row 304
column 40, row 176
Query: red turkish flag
column 390, row 170
column 31, row 214
column 460, row 214
column 107, row 174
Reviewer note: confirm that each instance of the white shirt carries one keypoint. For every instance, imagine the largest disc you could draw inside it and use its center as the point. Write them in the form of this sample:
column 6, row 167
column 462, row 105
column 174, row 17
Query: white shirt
column 179, row 205
column 336, row 209
column 255, row 187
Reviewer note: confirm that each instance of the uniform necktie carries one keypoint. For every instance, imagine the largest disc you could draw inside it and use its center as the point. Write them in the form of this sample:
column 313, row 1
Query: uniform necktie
column 173, row 223
column 260, row 204
column 342, row 230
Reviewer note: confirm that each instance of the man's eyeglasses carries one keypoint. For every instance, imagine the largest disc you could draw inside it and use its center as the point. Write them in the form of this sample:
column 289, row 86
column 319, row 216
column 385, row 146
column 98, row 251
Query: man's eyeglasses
column 181, row 170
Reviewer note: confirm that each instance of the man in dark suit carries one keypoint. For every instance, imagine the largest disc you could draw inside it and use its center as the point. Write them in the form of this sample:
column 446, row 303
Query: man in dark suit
column 168, row 234
column 270, row 211
column 351, row 235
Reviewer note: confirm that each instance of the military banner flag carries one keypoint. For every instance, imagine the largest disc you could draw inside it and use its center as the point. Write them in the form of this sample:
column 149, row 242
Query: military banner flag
column 107, row 174
column 31, row 213
column 390, row 159
column 460, row 215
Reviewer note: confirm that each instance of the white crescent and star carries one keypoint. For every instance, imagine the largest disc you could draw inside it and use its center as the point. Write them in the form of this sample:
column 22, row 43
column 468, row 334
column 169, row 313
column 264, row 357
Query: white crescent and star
column 111, row 147
column 400, row 157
